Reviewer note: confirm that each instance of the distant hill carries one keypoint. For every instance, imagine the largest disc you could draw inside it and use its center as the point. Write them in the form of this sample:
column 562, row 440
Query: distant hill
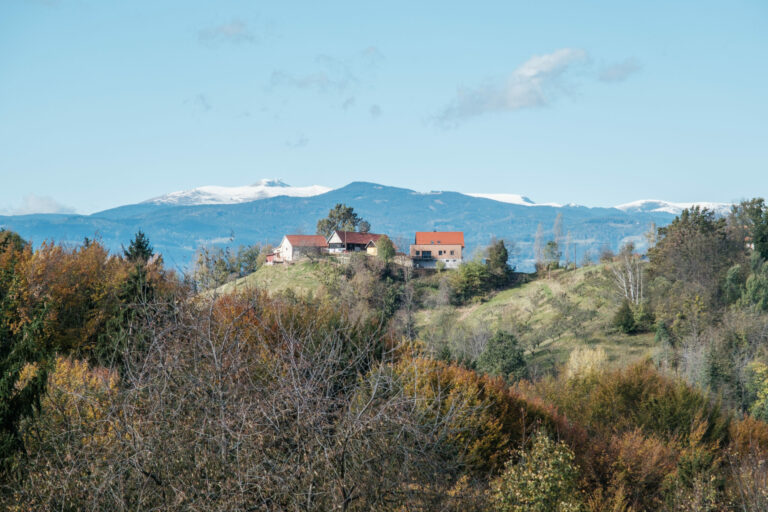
column 177, row 230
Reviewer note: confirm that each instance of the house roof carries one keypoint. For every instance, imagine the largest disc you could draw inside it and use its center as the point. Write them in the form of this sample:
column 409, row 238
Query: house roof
column 372, row 243
column 353, row 237
column 307, row 240
column 440, row 237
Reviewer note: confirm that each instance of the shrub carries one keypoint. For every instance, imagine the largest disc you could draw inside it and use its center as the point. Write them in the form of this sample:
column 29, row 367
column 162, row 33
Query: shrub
column 503, row 357
column 489, row 421
column 542, row 479
column 624, row 319
column 585, row 362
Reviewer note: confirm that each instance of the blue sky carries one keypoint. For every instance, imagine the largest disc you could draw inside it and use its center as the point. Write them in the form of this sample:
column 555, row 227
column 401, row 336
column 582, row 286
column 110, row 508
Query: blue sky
column 598, row 103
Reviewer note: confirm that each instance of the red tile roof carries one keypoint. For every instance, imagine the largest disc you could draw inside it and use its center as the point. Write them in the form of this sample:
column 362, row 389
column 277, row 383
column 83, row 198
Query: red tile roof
column 440, row 237
column 353, row 237
column 307, row 240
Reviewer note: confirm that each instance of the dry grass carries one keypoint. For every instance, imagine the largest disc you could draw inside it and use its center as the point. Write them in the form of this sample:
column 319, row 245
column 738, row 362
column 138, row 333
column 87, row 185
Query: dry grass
column 567, row 310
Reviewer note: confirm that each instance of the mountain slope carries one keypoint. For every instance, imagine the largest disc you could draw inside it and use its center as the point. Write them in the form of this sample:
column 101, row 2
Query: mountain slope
column 178, row 230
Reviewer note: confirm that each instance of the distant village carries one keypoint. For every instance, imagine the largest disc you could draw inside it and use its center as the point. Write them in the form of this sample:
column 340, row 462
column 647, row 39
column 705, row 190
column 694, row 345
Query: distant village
column 429, row 249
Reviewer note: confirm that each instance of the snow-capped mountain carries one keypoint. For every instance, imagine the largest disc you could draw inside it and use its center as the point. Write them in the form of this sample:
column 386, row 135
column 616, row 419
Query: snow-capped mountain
column 230, row 195
column 657, row 206
column 512, row 199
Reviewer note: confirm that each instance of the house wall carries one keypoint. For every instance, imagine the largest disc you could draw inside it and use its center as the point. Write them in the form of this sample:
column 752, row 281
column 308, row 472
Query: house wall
column 439, row 252
column 285, row 250
column 435, row 249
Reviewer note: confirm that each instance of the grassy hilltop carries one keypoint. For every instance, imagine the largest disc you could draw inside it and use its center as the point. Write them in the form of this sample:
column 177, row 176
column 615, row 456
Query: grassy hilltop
column 550, row 315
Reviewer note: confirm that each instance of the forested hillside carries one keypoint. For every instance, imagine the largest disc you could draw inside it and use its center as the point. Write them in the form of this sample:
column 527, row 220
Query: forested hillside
column 637, row 383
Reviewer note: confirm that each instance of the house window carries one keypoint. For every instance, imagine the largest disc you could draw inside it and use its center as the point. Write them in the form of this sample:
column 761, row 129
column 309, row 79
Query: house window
column 418, row 253
column 440, row 253
column 451, row 253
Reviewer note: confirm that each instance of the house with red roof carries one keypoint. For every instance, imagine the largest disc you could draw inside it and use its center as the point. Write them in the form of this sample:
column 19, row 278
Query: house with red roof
column 295, row 247
column 433, row 246
column 350, row 241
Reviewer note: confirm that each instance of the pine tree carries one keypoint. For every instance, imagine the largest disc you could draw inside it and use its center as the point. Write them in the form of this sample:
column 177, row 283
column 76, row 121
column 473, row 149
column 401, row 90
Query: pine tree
column 625, row 318
column 139, row 249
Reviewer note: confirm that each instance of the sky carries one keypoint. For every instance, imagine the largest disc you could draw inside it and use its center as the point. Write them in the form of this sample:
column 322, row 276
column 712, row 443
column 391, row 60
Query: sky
column 104, row 103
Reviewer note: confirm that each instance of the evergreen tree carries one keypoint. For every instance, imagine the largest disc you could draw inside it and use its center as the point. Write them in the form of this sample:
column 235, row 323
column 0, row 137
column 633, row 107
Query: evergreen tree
column 624, row 319
column 502, row 356
column 497, row 262
column 139, row 249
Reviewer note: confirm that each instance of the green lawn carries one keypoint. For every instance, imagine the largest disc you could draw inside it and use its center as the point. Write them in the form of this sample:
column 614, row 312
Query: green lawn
column 302, row 278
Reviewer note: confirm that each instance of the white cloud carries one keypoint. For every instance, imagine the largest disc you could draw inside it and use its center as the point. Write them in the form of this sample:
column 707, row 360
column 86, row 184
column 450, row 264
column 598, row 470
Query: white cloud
column 38, row 204
column 236, row 31
column 536, row 83
column 619, row 71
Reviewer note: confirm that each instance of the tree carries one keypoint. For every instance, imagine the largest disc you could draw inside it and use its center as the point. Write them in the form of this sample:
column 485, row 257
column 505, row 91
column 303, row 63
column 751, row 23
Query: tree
column 749, row 220
column 696, row 250
column 503, row 357
column 385, row 249
column 557, row 229
column 552, row 255
column 497, row 262
column 21, row 348
column 538, row 248
column 472, row 279
column 545, row 479
column 343, row 218
column 248, row 259
column 139, row 250
column 626, row 270
column 624, row 319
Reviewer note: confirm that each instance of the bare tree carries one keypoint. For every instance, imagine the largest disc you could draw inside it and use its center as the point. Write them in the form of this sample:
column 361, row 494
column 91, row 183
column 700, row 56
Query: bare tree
column 246, row 403
column 538, row 248
column 557, row 229
column 626, row 269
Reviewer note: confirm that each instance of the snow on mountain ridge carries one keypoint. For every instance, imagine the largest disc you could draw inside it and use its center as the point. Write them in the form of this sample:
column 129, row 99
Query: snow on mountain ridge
column 213, row 194
column 273, row 187
column 511, row 199
column 659, row 206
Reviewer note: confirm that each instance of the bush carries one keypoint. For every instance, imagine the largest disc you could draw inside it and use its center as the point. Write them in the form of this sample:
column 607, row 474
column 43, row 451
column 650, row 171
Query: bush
column 470, row 281
column 585, row 362
column 543, row 479
column 502, row 357
column 624, row 319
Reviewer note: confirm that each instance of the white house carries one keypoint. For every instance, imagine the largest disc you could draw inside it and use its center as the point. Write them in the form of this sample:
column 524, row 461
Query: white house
column 294, row 247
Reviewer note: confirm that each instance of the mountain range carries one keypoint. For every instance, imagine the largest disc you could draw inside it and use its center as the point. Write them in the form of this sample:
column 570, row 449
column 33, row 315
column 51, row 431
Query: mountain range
column 180, row 222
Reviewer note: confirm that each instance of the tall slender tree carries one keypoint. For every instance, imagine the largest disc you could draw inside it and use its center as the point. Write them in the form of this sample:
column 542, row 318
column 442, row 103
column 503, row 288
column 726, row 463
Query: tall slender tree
column 139, row 250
